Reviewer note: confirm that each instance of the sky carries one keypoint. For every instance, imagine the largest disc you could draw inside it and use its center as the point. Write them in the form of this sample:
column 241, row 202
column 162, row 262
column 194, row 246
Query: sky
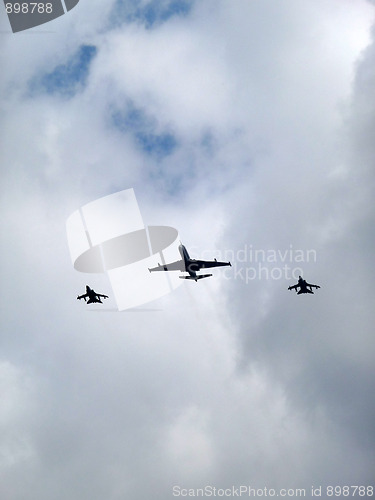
column 248, row 126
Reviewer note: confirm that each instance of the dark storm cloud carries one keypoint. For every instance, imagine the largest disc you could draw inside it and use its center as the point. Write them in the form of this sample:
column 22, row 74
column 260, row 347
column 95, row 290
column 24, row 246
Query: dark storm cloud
column 320, row 347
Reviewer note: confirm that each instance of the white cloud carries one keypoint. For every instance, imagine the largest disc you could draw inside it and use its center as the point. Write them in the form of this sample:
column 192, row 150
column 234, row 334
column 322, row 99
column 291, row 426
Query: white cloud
column 220, row 382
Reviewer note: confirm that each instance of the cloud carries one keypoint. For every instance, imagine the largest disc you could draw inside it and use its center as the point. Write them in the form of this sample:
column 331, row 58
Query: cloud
column 318, row 350
column 243, row 125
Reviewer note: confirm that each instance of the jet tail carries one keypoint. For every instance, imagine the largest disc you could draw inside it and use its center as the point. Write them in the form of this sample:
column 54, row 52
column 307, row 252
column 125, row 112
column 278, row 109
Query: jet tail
column 195, row 278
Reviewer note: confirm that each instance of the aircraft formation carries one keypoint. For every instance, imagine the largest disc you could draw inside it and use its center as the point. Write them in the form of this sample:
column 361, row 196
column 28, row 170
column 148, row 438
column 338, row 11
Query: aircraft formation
column 192, row 266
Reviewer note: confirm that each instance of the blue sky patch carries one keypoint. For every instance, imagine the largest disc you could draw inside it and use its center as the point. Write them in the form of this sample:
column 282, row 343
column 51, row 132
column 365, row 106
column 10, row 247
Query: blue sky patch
column 66, row 78
column 159, row 145
column 144, row 129
column 154, row 12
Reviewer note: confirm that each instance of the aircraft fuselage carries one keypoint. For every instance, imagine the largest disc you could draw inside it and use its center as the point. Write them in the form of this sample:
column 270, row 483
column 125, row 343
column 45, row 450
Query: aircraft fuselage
column 304, row 287
column 191, row 266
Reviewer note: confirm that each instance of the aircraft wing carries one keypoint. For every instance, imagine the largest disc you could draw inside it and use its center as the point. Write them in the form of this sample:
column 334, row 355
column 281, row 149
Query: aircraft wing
column 179, row 265
column 82, row 296
column 315, row 286
column 205, row 264
column 294, row 287
column 100, row 295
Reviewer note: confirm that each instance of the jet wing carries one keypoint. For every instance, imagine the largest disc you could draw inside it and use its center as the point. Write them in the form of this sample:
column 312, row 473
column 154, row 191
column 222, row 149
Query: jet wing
column 100, row 295
column 294, row 287
column 205, row 264
column 179, row 265
column 315, row 286
column 82, row 296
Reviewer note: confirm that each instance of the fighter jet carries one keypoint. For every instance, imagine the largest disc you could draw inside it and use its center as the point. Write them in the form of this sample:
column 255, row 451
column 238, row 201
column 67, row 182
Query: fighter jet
column 304, row 286
column 189, row 265
column 92, row 296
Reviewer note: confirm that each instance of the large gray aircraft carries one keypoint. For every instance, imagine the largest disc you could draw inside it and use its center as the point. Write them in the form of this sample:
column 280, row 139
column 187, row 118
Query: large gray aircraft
column 304, row 286
column 92, row 296
column 189, row 265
